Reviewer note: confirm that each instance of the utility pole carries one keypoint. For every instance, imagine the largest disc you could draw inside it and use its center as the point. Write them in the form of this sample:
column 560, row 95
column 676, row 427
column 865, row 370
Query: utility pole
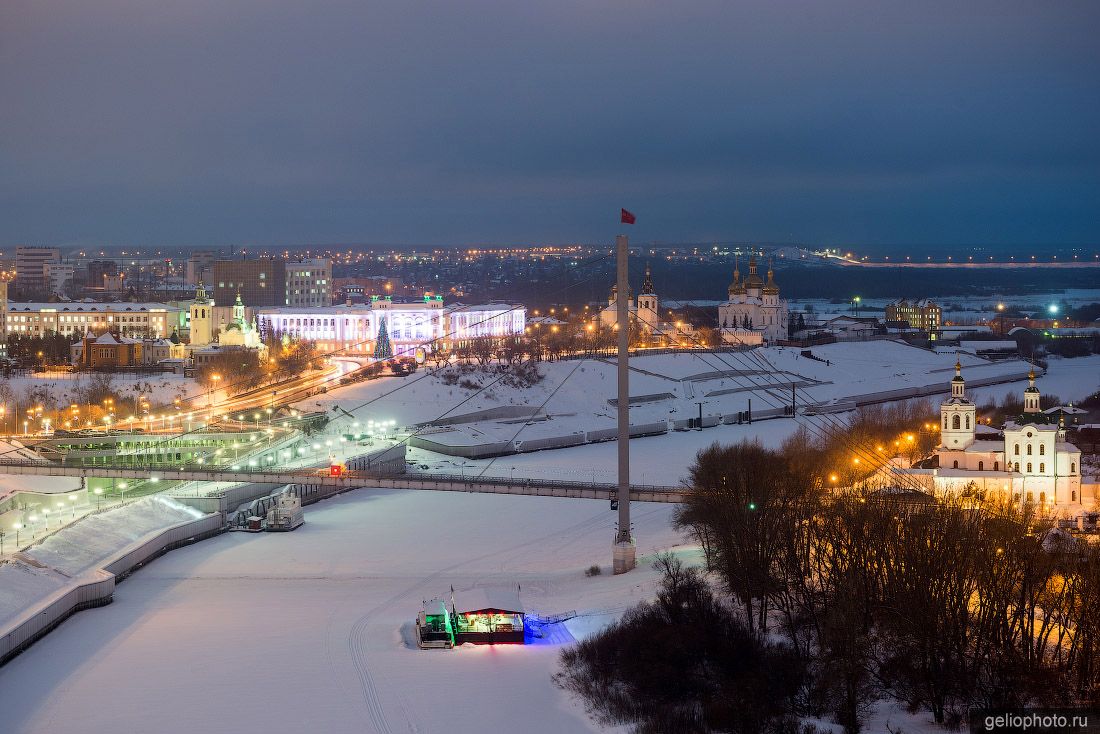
column 623, row 557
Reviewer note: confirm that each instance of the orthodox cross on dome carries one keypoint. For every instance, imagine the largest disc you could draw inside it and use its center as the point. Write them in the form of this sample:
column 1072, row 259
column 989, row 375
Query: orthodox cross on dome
column 770, row 286
column 958, row 385
column 735, row 287
column 647, row 282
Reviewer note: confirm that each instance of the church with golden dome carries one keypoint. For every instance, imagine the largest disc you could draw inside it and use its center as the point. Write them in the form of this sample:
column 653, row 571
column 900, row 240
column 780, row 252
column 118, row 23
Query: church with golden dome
column 754, row 313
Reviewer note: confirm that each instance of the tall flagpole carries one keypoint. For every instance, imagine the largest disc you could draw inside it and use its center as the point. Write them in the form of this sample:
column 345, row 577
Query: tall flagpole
column 623, row 551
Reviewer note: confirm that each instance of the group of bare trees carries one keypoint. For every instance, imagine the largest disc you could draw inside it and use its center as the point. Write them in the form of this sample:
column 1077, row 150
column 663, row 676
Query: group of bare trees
column 936, row 604
column 684, row 663
column 550, row 343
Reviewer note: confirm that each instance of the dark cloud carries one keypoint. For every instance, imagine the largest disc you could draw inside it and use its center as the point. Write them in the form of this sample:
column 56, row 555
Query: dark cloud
column 132, row 121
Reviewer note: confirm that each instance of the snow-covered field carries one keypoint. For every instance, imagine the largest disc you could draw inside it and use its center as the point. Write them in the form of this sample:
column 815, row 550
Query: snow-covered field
column 304, row 631
column 576, row 392
column 1070, row 379
column 654, row 460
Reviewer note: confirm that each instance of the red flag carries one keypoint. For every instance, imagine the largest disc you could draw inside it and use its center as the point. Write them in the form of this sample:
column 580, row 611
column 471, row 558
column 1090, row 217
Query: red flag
column 626, row 217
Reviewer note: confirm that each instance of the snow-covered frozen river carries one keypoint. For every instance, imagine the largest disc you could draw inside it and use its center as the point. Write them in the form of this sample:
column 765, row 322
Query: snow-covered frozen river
column 302, row 631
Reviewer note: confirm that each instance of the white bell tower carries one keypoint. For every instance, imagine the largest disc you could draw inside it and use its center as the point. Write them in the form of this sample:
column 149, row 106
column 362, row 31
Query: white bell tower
column 1031, row 394
column 958, row 415
column 648, row 315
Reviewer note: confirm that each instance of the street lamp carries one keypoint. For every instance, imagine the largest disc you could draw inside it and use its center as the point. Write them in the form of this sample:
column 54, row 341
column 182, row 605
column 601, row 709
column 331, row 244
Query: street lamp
column 17, row 527
column 98, row 492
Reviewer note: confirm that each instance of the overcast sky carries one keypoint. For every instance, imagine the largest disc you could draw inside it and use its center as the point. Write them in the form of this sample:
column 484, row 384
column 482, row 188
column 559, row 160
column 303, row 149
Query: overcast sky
column 455, row 121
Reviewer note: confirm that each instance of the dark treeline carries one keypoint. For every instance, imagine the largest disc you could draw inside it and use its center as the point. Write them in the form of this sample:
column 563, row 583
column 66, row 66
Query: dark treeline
column 851, row 598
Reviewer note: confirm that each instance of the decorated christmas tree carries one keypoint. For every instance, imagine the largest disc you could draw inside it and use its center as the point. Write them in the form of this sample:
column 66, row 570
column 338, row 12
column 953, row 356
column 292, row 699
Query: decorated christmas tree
column 382, row 349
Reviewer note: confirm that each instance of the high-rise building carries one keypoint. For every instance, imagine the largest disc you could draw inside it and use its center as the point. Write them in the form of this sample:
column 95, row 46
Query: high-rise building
column 30, row 271
column 261, row 282
column 309, row 283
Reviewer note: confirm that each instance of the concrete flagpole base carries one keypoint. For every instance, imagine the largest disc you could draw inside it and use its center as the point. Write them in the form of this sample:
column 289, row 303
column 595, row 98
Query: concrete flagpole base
column 623, row 557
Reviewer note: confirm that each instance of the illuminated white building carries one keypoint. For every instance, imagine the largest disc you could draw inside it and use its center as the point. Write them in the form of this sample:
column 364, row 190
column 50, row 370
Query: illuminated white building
column 1031, row 462
column 754, row 312
column 643, row 312
column 155, row 320
column 354, row 329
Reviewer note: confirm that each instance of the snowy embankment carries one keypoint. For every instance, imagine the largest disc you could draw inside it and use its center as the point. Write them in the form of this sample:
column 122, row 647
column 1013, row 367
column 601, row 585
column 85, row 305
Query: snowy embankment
column 84, row 545
column 574, row 397
column 88, row 542
column 670, row 386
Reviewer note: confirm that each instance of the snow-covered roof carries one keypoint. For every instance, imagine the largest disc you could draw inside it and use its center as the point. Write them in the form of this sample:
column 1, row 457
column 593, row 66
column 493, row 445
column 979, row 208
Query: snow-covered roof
column 854, row 320
column 975, row 328
column 480, row 599
column 987, row 346
column 1067, row 409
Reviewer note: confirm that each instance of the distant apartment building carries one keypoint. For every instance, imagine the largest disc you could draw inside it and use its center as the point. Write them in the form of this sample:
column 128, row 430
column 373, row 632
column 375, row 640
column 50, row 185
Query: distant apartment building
column 309, row 283
column 74, row 319
column 261, row 282
column 200, row 267
column 923, row 314
column 58, row 277
column 30, row 269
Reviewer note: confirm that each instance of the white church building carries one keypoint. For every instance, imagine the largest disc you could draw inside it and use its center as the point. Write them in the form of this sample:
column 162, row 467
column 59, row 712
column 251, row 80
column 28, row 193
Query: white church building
column 754, row 313
column 226, row 326
column 644, row 312
column 1030, row 462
